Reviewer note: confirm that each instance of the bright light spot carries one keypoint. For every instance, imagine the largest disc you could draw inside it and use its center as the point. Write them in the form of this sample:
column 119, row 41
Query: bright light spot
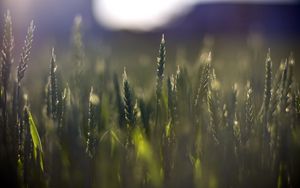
column 137, row 14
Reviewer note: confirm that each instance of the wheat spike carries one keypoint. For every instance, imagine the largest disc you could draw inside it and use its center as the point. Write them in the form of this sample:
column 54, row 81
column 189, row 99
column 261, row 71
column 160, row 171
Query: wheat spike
column 268, row 84
column 77, row 43
column 53, row 88
column 7, row 48
column 204, row 81
column 161, row 60
column 119, row 102
column 128, row 102
column 249, row 113
column 91, row 137
column 23, row 64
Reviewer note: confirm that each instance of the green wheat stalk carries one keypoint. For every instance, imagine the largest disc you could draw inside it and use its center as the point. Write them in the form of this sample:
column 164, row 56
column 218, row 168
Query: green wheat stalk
column 161, row 60
column 53, row 88
column 213, row 101
column 119, row 102
column 204, row 82
column 21, row 69
column 264, row 112
column 130, row 115
column 91, row 134
column 77, row 43
column 145, row 115
column 249, row 114
column 6, row 63
column 23, row 64
column 171, row 84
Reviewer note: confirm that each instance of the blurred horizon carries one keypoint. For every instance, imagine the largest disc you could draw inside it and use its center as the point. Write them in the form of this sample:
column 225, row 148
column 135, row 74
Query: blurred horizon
column 210, row 15
column 230, row 28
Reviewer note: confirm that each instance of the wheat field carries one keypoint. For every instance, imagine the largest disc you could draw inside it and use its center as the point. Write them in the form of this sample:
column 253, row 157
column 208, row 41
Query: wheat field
column 83, row 128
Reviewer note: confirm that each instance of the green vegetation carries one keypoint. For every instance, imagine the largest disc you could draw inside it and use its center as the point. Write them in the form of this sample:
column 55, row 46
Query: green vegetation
column 89, row 130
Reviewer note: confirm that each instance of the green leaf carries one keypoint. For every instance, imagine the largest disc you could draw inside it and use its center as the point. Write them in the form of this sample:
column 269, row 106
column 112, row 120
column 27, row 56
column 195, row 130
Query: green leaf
column 145, row 153
column 36, row 141
column 114, row 135
column 113, row 138
column 168, row 130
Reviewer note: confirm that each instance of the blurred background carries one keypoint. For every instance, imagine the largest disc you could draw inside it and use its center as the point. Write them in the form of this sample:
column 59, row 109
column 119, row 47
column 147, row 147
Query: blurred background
column 127, row 33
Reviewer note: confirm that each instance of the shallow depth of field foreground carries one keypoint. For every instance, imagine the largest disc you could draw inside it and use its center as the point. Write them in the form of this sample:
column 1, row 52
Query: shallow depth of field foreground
column 74, row 117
